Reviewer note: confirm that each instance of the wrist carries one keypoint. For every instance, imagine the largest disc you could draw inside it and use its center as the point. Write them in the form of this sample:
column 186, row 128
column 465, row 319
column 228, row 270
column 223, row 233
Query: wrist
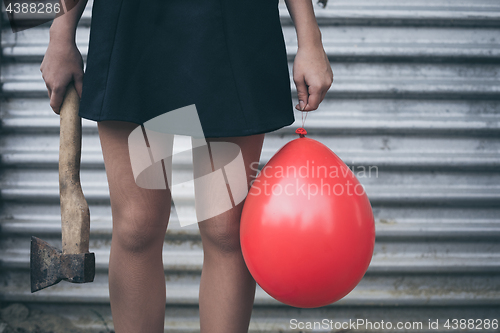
column 309, row 39
column 60, row 31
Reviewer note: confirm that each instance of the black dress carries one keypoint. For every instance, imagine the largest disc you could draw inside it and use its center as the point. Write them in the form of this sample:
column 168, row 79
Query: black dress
column 227, row 57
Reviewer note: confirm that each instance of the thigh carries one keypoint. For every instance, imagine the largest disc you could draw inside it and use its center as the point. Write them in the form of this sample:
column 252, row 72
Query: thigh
column 128, row 200
column 216, row 195
column 251, row 148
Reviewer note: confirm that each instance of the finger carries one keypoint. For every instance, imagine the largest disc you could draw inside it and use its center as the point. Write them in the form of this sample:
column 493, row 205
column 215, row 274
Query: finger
column 302, row 94
column 56, row 99
column 314, row 99
column 49, row 90
column 78, row 81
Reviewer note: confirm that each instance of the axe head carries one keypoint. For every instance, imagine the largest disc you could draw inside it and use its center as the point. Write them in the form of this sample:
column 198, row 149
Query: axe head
column 48, row 266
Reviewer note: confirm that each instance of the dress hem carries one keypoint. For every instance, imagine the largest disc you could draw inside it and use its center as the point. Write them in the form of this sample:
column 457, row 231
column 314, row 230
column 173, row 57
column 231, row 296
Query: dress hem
column 268, row 127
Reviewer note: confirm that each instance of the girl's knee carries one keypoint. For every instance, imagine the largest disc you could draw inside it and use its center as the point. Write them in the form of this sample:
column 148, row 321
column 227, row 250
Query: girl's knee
column 220, row 237
column 139, row 228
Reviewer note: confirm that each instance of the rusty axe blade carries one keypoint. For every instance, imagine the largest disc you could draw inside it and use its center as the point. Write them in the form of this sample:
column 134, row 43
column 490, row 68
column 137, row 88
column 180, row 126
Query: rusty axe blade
column 75, row 264
column 49, row 266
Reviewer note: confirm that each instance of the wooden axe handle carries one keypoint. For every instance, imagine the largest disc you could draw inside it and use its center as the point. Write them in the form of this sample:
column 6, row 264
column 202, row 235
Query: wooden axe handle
column 75, row 215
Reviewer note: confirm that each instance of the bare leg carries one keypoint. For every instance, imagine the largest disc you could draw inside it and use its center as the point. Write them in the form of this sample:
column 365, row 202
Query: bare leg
column 227, row 289
column 140, row 217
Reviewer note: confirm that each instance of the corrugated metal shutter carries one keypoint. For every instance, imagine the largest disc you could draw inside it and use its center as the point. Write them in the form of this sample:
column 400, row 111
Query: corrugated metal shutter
column 416, row 96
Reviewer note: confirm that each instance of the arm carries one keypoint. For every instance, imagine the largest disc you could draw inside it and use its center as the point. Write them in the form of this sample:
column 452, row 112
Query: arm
column 64, row 26
column 312, row 73
column 63, row 62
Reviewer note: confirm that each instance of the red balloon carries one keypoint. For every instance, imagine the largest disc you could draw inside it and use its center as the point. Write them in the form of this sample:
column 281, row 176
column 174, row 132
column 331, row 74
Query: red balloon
column 307, row 229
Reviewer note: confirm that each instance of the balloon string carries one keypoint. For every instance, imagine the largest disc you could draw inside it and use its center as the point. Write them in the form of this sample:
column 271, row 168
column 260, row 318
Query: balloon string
column 304, row 119
column 301, row 130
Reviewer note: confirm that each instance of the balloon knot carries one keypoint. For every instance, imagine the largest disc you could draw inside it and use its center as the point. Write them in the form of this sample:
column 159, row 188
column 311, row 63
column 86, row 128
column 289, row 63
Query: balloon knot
column 301, row 132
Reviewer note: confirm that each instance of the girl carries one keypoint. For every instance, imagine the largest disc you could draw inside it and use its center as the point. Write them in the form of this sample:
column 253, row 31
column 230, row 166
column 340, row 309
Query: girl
column 148, row 57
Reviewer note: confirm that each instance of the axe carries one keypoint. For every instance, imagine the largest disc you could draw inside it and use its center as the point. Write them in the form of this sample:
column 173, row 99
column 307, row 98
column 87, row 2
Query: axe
column 75, row 264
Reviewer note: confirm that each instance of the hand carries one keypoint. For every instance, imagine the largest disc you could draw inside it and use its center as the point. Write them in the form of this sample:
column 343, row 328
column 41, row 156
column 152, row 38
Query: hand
column 61, row 64
column 313, row 77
